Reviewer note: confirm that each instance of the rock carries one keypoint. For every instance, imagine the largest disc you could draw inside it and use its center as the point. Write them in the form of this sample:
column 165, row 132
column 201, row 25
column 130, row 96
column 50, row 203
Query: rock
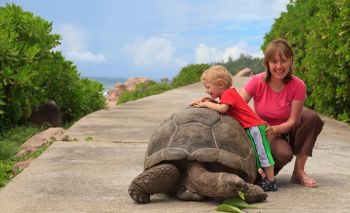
column 246, row 72
column 41, row 138
column 132, row 82
column 119, row 89
column 129, row 85
column 18, row 167
column 48, row 113
column 113, row 94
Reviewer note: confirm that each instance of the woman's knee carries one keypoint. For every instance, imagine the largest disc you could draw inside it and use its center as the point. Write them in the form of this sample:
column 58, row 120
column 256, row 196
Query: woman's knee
column 282, row 158
column 281, row 151
column 311, row 118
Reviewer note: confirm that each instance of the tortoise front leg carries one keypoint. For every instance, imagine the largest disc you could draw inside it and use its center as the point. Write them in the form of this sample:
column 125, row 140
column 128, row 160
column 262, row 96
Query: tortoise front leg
column 212, row 184
column 158, row 179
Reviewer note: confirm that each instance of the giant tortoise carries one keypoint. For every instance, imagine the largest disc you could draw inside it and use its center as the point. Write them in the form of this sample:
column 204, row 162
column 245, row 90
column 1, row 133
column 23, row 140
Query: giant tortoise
column 195, row 154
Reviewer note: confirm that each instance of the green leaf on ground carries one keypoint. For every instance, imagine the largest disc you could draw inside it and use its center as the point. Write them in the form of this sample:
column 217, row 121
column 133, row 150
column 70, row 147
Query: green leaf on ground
column 237, row 202
column 89, row 138
column 228, row 208
column 241, row 195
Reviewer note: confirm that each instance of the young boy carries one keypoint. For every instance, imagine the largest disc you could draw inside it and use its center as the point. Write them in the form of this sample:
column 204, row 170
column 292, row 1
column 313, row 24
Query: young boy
column 217, row 82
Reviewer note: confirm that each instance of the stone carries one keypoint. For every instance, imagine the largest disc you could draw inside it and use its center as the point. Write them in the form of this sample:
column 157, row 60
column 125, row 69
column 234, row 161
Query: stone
column 41, row 138
column 130, row 85
column 18, row 167
column 246, row 72
column 132, row 82
column 48, row 113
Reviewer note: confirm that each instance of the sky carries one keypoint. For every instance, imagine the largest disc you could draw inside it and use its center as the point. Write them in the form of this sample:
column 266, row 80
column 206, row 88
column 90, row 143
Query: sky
column 154, row 38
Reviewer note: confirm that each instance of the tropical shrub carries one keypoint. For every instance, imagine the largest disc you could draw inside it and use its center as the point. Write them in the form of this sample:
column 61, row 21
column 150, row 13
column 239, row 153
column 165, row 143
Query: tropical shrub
column 319, row 32
column 32, row 72
column 189, row 74
column 143, row 90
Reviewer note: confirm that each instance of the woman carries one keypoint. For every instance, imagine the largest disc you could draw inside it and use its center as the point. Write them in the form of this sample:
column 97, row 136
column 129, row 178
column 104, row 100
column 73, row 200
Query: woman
column 278, row 99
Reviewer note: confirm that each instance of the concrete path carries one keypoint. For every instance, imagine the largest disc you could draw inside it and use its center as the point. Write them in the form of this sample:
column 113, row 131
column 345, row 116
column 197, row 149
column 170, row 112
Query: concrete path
column 93, row 174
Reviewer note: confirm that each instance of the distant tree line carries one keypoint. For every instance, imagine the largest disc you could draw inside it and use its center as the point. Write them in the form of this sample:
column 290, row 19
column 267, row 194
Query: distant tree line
column 319, row 32
column 188, row 75
column 244, row 61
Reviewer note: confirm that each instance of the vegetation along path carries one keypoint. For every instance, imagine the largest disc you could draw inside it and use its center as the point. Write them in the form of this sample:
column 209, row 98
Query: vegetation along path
column 92, row 174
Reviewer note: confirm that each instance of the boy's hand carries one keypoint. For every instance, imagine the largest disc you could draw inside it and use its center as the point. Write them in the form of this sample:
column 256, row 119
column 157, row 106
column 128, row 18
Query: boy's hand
column 206, row 99
column 197, row 101
column 202, row 103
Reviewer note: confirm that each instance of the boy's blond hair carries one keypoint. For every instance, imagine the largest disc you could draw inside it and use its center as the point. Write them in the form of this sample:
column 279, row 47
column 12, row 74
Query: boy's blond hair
column 217, row 73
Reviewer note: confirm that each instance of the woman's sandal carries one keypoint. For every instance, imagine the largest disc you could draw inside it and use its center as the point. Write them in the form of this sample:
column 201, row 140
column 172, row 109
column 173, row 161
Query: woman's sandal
column 304, row 181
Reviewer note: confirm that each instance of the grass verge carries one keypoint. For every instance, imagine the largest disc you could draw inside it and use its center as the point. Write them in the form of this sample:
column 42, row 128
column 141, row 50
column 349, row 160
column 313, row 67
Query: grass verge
column 10, row 143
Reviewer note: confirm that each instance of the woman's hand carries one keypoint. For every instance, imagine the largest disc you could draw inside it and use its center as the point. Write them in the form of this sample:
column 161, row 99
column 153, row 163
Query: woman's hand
column 271, row 132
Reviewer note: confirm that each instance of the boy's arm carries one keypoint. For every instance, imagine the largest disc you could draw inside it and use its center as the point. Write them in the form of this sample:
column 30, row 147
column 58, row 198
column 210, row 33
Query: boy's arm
column 198, row 100
column 222, row 108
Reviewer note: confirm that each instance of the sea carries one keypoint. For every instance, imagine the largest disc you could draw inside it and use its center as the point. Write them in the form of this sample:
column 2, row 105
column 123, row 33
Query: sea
column 108, row 82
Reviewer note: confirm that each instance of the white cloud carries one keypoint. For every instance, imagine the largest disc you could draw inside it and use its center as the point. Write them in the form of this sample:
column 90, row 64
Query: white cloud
column 74, row 45
column 233, row 52
column 155, row 51
column 85, row 56
column 206, row 54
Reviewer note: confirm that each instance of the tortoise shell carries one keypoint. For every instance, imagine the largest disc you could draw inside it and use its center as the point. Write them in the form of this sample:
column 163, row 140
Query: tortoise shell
column 201, row 134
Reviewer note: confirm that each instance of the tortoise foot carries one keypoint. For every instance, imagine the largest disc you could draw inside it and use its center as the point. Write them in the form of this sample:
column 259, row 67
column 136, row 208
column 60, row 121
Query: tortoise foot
column 138, row 194
column 158, row 179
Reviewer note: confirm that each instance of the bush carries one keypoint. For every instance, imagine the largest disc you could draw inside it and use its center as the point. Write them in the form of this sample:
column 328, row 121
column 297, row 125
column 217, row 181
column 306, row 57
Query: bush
column 189, row 74
column 319, row 34
column 143, row 90
column 32, row 73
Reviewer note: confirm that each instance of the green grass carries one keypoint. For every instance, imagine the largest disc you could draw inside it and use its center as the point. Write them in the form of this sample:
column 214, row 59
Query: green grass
column 10, row 143
column 143, row 90
column 188, row 75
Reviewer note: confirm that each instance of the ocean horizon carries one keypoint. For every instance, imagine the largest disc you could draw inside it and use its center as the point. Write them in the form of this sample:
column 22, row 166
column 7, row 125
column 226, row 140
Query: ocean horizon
column 108, row 82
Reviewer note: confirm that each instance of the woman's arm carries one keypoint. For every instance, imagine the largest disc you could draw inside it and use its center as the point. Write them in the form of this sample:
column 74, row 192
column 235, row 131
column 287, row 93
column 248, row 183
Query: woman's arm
column 296, row 108
column 245, row 95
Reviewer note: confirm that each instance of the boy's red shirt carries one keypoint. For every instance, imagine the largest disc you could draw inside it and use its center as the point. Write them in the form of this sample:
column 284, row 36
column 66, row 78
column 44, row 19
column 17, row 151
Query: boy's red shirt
column 239, row 109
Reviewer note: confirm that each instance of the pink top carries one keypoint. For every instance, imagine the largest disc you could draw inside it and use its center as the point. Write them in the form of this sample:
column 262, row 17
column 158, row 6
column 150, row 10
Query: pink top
column 239, row 109
column 274, row 107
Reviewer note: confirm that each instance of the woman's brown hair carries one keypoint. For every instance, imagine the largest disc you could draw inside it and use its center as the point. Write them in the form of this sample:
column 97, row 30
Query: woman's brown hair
column 284, row 49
